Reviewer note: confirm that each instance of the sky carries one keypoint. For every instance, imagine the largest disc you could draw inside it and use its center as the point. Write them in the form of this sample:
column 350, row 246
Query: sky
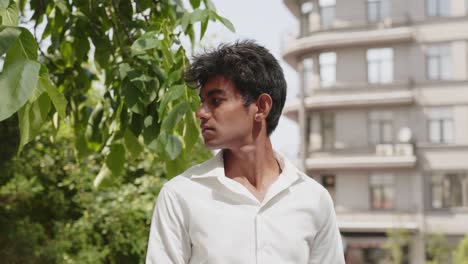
column 269, row 23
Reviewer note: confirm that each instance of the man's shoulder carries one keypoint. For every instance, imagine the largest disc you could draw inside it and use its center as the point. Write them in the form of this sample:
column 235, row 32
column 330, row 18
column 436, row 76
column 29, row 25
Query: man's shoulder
column 310, row 187
column 185, row 179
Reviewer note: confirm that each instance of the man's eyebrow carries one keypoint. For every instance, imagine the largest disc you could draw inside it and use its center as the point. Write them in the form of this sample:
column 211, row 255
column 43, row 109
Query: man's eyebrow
column 214, row 91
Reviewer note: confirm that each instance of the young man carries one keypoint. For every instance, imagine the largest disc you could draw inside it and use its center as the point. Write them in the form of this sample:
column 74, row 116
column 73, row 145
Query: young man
column 248, row 204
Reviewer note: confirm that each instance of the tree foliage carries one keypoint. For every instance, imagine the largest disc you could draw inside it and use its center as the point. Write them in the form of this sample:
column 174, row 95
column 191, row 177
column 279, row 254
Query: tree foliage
column 398, row 240
column 93, row 89
column 112, row 69
column 460, row 255
column 437, row 249
column 50, row 213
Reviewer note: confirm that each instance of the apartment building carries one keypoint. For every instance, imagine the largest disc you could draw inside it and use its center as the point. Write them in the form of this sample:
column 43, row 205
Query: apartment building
column 383, row 116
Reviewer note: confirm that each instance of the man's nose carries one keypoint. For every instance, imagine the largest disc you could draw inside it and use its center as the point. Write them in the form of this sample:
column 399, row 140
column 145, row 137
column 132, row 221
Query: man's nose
column 202, row 112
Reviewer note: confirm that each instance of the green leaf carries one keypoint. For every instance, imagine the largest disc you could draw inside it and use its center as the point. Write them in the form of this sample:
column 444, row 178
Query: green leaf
column 225, row 21
column 24, row 48
column 67, row 52
column 10, row 15
column 116, row 159
column 185, row 21
column 209, row 5
column 191, row 33
column 178, row 165
column 17, row 83
column 62, row 5
column 124, row 70
column 31, row 117
column 38, row 91
column 57, row 98
column 132, row 144
column 8, row 35
column 192, row 131
column 4, row 4
column 93, row 129
column 198, row 15
column 174, row 116
column 195, row 3
column 132, row 98
column 173, row 146
column 171, row 95
column 204, row 26
column 145, row 42
column 104, row 173
column 150, row 132
column 103, row 52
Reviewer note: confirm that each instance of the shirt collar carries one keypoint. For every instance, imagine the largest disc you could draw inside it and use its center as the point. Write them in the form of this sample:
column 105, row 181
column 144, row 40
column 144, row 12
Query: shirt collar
column 214, row 167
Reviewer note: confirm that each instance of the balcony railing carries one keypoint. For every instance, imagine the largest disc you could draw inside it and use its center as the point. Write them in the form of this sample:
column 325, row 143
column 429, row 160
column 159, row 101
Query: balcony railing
column 400, row 155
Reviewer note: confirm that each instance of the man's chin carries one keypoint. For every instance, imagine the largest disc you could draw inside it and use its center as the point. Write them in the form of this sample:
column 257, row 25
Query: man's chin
column 212, row 145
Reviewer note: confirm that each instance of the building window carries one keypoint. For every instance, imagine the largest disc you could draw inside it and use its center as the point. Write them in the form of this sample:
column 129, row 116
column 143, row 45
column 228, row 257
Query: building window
column 440, row 125
column 306, row 9
column 381, row 127
column 380, row 65
column 327, row 12
column 382, row 191
column 449, row 190
column 438, row 58
column 437, row 8
column 377, row 10
column 307, row 74
column 327, row 126
column 328, row 181
column 327, row 63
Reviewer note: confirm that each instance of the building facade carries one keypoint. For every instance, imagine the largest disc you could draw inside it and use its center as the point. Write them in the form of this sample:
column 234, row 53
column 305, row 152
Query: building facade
column 383, row 117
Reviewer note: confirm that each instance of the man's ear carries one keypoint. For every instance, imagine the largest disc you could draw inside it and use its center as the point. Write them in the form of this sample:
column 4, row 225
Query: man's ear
column 264, row 104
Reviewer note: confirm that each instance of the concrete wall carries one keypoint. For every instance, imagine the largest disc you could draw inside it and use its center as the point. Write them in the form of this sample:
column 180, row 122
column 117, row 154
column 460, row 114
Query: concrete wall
column 461, row 124
column 407, row 198
column 350, row 13
column 352, row 191
column 351, row 129
column 351, row 66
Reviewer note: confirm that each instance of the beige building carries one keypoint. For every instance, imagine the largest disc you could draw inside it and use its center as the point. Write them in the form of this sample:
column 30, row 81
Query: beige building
column 383, row 116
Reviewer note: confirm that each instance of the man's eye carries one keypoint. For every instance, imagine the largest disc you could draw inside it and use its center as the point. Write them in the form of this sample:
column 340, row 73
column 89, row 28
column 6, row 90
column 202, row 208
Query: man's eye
column 215, row 101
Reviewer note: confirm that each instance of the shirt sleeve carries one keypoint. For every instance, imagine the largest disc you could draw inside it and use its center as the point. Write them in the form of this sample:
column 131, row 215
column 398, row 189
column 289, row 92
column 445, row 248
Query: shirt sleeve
column 327, row 246
column 169, row 241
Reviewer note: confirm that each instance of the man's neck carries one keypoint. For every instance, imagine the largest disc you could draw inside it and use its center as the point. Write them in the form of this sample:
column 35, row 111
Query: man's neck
column 253, row 165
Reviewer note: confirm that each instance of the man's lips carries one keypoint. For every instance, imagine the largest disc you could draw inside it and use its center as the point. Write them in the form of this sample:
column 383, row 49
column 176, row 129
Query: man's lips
column 205, row 128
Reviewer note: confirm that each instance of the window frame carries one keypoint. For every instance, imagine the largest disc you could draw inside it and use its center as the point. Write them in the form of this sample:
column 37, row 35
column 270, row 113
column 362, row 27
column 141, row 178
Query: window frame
column 447, row 190
column 381, row 63
column 380, row 8
column 433, row 116
column 327, row 66
column 382, row 186
column 305, row 17
column 381, row 118
column 444, row 53
column 439, row 11
column 327, row 23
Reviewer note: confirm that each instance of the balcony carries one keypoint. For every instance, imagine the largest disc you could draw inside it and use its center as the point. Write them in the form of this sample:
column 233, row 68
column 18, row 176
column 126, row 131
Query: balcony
column 396, row 94
column 437, row 222
column 377, row 221
column 384, row 156
column 345, row 38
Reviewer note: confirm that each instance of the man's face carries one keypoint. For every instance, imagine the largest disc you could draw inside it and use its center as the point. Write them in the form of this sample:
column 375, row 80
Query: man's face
column 225, row 122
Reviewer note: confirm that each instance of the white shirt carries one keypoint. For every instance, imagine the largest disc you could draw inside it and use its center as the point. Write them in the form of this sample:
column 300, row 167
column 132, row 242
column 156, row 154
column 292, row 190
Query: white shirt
column 204, row 217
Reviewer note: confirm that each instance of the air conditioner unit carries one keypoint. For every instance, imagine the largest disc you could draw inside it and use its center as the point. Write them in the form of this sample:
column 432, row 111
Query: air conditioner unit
column 384, row 150
column 404, row 149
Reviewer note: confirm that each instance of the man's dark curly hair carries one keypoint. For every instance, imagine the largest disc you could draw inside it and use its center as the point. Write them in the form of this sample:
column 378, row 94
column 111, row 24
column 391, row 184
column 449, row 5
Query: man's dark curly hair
column 250, row 67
